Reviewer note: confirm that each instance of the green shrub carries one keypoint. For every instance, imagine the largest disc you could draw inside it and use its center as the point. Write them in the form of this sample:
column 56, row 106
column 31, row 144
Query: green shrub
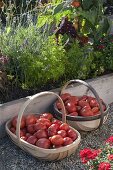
column 105, row 46
column 35, row 59
column 79, row 62
column 85, row 62
column 97, row 67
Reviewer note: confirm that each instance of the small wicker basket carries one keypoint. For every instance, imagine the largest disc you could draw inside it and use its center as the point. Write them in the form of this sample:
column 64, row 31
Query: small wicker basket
column 85, row 123
column 40, row 153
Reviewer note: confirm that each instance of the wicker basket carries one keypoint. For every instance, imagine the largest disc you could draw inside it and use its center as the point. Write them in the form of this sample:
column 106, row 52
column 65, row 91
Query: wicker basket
column 40, row 153
column 85, row 123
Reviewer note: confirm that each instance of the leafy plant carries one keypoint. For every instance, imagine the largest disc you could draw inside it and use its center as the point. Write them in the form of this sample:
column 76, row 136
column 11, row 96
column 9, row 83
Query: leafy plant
column 92, row 20
column 79, row 61
column 105, row 46
column 34, row 58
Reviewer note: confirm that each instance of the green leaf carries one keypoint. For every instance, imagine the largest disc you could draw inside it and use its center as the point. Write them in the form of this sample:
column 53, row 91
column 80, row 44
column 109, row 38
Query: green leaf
column 105, row 25
column 58, row 8
column 43, row 19
column 90, row 15
column 87, row 4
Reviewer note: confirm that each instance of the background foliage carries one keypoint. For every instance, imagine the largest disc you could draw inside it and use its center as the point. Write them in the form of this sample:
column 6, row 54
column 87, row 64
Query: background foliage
column 34, row 58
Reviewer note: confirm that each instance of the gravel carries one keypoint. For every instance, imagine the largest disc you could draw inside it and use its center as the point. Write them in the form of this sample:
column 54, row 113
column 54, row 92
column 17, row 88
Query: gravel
column 13, row 158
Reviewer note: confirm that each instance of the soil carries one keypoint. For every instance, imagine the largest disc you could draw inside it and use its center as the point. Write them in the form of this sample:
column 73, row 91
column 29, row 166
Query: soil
column 12, row 93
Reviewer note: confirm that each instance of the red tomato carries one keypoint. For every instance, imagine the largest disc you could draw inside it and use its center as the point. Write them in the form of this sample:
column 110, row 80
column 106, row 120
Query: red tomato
column 72, row 134
column 64, row 126
column 65, row 96
column 56, row 121
column 52, row 130
column 41, row 134
column 22, row 133
column 24, row 137
column 72, row 99
column 39, row 126
column 58, row 105
column 13, row 130
column 83, row 103
column 84, row 109
column 47, row 116
column 95, row 110
column 86, row 112
column 56, row 126
column 28, row 135
column 31, row 129
column 78, row 108
column 94, row 103
column 57, row 140
column 84, row 98
column 67, row 141
column 62, row 133
column 73, row 114
column 24, row 130
column 32, row 140
column 14, row 122
column 89, row 98
column 45, row 122
column 43, row 143
column 30, row 119
column 71, row 107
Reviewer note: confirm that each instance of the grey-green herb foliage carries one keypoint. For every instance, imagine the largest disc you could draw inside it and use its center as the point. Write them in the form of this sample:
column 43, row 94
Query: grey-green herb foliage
column 35, row 59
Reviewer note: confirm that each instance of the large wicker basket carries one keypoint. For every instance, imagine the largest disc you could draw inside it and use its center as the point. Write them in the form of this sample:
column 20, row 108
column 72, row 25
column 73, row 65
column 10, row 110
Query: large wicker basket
column 40, row 153
column 85, row 123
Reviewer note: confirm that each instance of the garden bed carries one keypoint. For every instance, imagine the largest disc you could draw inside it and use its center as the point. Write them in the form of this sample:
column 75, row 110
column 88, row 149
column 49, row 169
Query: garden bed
column 12, row 157
column 64, row 36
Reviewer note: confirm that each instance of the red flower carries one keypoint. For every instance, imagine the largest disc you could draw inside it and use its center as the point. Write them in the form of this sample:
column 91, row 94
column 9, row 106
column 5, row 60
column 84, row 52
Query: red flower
column 110, row 157
column 85, row 152
column 110, row 139
column 88, row 154
column 104, row 166
column 94, row 154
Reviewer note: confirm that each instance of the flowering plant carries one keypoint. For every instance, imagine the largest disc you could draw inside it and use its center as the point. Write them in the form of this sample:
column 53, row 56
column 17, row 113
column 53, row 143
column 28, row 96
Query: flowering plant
column 100, row 159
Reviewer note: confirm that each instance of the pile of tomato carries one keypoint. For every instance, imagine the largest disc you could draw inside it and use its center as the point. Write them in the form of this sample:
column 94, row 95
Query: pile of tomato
column 44, row 131
column 80, row 106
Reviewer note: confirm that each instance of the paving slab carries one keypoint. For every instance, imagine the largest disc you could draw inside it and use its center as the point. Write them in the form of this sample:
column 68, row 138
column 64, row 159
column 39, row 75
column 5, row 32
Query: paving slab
column 13, row 158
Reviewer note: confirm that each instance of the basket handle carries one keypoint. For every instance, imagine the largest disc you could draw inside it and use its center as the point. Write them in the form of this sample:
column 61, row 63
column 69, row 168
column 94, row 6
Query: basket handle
column 21, row 112
column 92, row 90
